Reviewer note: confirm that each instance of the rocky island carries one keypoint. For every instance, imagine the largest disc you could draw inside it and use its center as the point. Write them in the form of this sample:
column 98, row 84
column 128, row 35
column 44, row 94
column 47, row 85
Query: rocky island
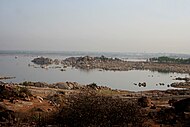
column 114, row 64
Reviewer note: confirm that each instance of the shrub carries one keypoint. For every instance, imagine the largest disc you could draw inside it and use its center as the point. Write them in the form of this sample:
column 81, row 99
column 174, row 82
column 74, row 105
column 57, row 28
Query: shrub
column 95, row 110
column 13, row 92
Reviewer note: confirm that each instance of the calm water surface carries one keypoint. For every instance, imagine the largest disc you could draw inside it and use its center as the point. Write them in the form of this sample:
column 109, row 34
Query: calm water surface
column 9, row 66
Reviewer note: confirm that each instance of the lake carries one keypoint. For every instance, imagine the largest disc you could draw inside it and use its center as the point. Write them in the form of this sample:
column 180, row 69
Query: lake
column 18, row 67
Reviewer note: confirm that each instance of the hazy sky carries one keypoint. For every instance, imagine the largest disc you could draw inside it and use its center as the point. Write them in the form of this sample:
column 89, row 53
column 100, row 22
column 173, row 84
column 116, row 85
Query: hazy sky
column 95, row 25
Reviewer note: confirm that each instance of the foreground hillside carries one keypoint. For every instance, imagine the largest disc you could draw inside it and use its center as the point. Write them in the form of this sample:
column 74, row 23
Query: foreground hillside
column 72, row 105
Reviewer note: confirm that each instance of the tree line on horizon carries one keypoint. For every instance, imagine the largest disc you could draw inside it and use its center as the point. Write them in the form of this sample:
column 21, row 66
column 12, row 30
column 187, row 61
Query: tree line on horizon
column 166, row 59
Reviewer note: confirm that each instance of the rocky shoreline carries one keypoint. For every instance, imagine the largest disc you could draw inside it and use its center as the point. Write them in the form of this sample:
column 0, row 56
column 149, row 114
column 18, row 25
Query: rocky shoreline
column 65, row 85
column 34, row 98
column 112, row 64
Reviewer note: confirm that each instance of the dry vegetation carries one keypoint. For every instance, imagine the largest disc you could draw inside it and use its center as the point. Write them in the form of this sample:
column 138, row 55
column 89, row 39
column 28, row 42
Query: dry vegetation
column 87, row 108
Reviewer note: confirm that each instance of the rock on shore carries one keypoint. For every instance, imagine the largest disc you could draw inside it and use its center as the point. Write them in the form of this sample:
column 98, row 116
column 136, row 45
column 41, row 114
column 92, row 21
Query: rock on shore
column 66, row 86
column 27, row 101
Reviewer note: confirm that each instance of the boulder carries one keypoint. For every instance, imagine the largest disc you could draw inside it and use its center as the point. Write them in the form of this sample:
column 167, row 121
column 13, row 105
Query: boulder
column 93, row 86
column 56, row 99
column 62, row 85
column 39, row 98
column 40, row 84
column 56, row 61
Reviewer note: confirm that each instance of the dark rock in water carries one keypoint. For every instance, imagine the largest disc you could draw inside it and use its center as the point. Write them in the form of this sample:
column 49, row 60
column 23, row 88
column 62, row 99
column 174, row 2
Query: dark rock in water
column 62, row 70
column 185, row 79
column 144, row 102
column 161, row 84
column 142, row 84
column 139, row 84
column 182, row 105
column 42, row 61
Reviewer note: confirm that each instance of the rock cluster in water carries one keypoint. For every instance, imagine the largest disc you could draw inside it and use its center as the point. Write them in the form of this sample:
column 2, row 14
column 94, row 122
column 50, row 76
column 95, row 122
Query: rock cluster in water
column 185, row 79
column 88, row 62
column 181, row 84
column 115, row 64
column 42, row 61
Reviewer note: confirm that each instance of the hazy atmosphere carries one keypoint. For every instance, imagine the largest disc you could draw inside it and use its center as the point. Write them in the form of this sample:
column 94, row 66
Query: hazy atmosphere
column 99, row 25
column 94, row 63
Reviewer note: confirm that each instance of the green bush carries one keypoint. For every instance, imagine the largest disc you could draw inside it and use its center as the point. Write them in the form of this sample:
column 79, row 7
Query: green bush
column 165, row 59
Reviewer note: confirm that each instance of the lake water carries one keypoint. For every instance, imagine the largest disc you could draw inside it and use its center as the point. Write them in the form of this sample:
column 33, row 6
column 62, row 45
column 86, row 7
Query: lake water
column 9, row 66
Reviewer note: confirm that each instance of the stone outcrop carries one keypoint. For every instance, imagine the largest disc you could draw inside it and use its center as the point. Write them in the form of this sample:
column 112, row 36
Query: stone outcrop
column 42, row 61
column 35, row 84
column 94, row 86
column 67, row 85
column 59, row 85
column 13, row 92
column 62, row 85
